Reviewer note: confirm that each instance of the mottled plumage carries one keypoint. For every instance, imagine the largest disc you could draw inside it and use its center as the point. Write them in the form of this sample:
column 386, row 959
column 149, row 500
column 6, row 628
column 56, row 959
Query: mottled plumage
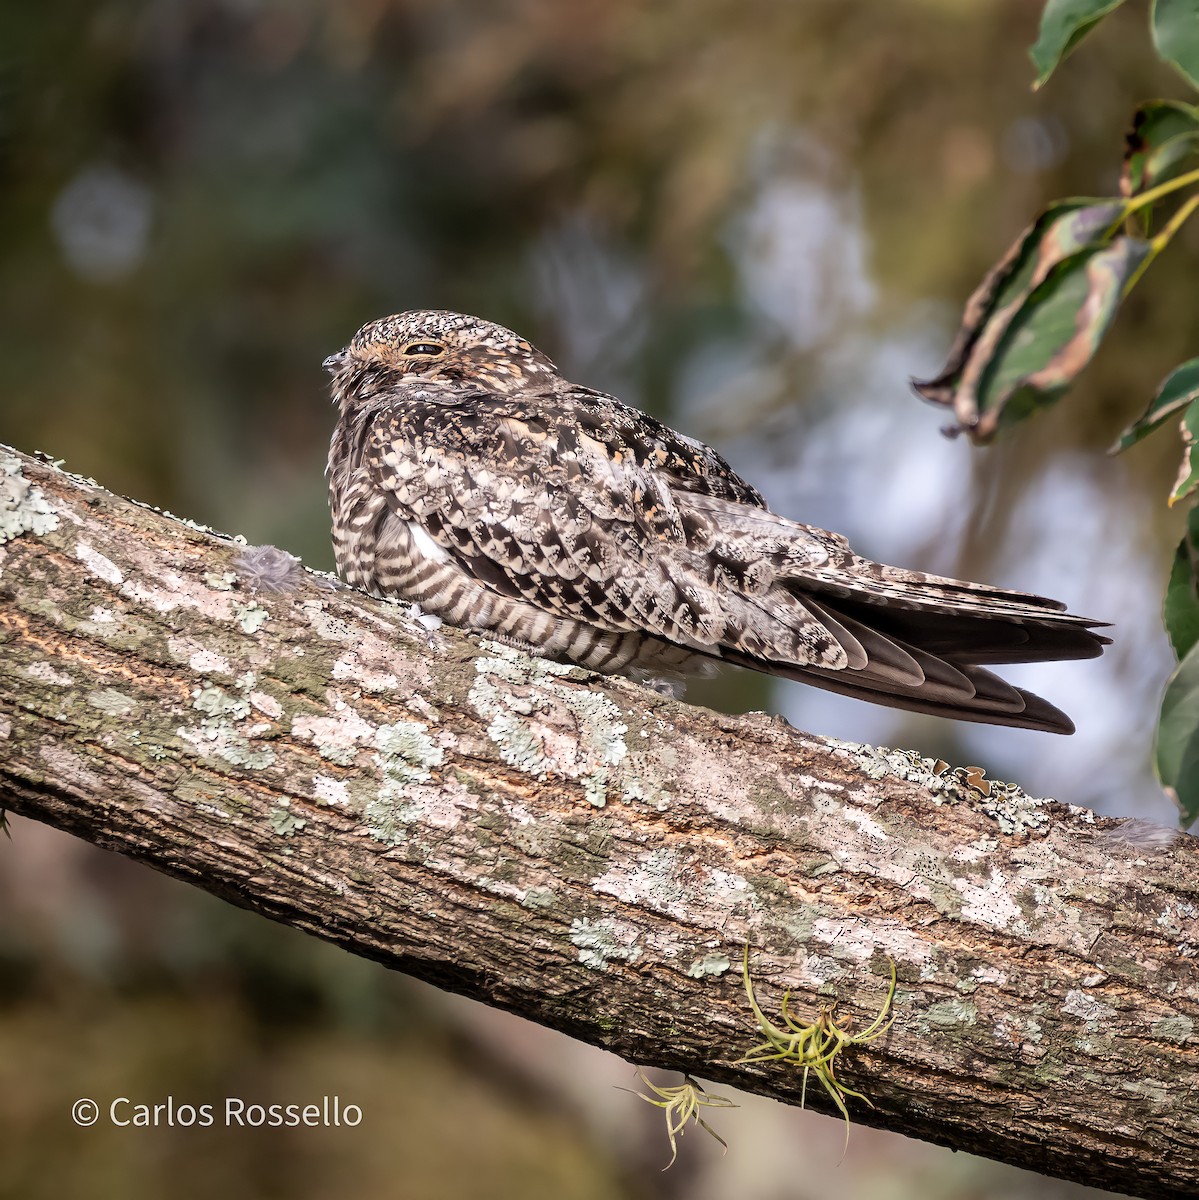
column 466, row 475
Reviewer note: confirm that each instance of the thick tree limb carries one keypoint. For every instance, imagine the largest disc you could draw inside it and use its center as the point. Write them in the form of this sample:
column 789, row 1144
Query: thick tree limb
column 594, row 856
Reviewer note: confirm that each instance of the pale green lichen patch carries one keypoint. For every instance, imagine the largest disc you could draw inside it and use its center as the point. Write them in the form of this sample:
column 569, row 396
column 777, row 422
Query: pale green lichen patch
column 1153, row 1090
column 382, row 822
column 251, row 617
column 543, row 724
column 1176, row 1028
column 153, row 749
column 218, row 733
column 23, row 507
column 1087, row 1008
column 220, row 581
column 405, row 752
column 406, row 755
column 43, row 672
column 285, row 822
column 539, row 897
column 880, row 762
column 599, row 942
column 216, row 702
column 1013, row 809
column 946, row 1015
column 111, row 702
column 386, row 820
column 710, row 964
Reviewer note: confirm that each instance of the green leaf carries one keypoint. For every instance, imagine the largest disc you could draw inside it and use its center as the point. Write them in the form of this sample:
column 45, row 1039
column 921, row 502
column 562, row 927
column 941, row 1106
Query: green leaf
column 1064, row 23
column 1054, row 335
column 1180, row 389
column 1188, row 473
column 1178, row 737
column 1175, row 25
column 1164, row 142
column 1038, row 317
column 1063, row 229
column 1181, row 609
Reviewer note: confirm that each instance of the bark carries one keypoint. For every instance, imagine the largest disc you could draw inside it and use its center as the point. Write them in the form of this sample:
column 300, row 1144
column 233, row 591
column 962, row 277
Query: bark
column 594, row 856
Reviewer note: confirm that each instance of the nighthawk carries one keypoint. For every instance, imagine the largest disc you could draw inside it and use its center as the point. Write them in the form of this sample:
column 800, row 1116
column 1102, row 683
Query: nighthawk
column 466, row 475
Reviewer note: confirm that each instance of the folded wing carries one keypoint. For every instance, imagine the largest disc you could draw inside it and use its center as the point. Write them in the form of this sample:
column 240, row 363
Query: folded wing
column 590, row 510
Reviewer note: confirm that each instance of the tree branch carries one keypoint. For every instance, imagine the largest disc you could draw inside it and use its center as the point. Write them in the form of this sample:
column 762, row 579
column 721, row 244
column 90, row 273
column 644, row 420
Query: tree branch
column 594, row 856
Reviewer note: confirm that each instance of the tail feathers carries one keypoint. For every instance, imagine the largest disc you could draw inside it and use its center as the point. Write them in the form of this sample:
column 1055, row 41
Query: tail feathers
column 886, row 669
column 974, row 637
column 894, row 664
column 1033, row 711
column 831, row 618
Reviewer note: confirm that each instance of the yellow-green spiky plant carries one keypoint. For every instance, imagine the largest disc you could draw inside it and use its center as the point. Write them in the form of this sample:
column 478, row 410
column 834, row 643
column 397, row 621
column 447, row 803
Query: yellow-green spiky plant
column 682, row 1104
column 813, row 1046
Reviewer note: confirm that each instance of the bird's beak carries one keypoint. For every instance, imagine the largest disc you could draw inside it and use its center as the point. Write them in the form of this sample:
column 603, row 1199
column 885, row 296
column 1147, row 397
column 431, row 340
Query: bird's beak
column 336, row 362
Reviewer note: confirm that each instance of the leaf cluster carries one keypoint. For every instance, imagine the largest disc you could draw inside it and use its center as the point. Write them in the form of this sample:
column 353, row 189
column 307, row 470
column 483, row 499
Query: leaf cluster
column 1041, row 313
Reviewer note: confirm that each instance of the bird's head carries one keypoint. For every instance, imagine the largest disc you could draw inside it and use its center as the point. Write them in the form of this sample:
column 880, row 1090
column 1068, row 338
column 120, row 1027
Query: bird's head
column 440, row 346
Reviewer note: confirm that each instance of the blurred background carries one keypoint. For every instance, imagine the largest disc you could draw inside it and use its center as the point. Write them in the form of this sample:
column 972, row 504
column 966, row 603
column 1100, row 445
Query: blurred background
column 753, row 219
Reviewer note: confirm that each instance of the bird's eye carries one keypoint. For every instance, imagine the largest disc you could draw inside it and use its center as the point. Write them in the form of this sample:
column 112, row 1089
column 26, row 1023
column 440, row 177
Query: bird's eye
column 430, row 349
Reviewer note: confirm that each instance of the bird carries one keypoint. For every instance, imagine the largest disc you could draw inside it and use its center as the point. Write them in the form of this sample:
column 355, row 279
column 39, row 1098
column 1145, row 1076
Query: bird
column 469, row 477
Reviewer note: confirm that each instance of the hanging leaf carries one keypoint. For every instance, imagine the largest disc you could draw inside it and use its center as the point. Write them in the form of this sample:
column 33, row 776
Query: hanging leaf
column 1038, row 318
column 1064, row 23
column 1181, row 609
column 1175, row 25
column 1055, row 335
column 1163, row 143
column 1179, row 390
column 1188, row 473
column 1063, row 229
column 1178, row 737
